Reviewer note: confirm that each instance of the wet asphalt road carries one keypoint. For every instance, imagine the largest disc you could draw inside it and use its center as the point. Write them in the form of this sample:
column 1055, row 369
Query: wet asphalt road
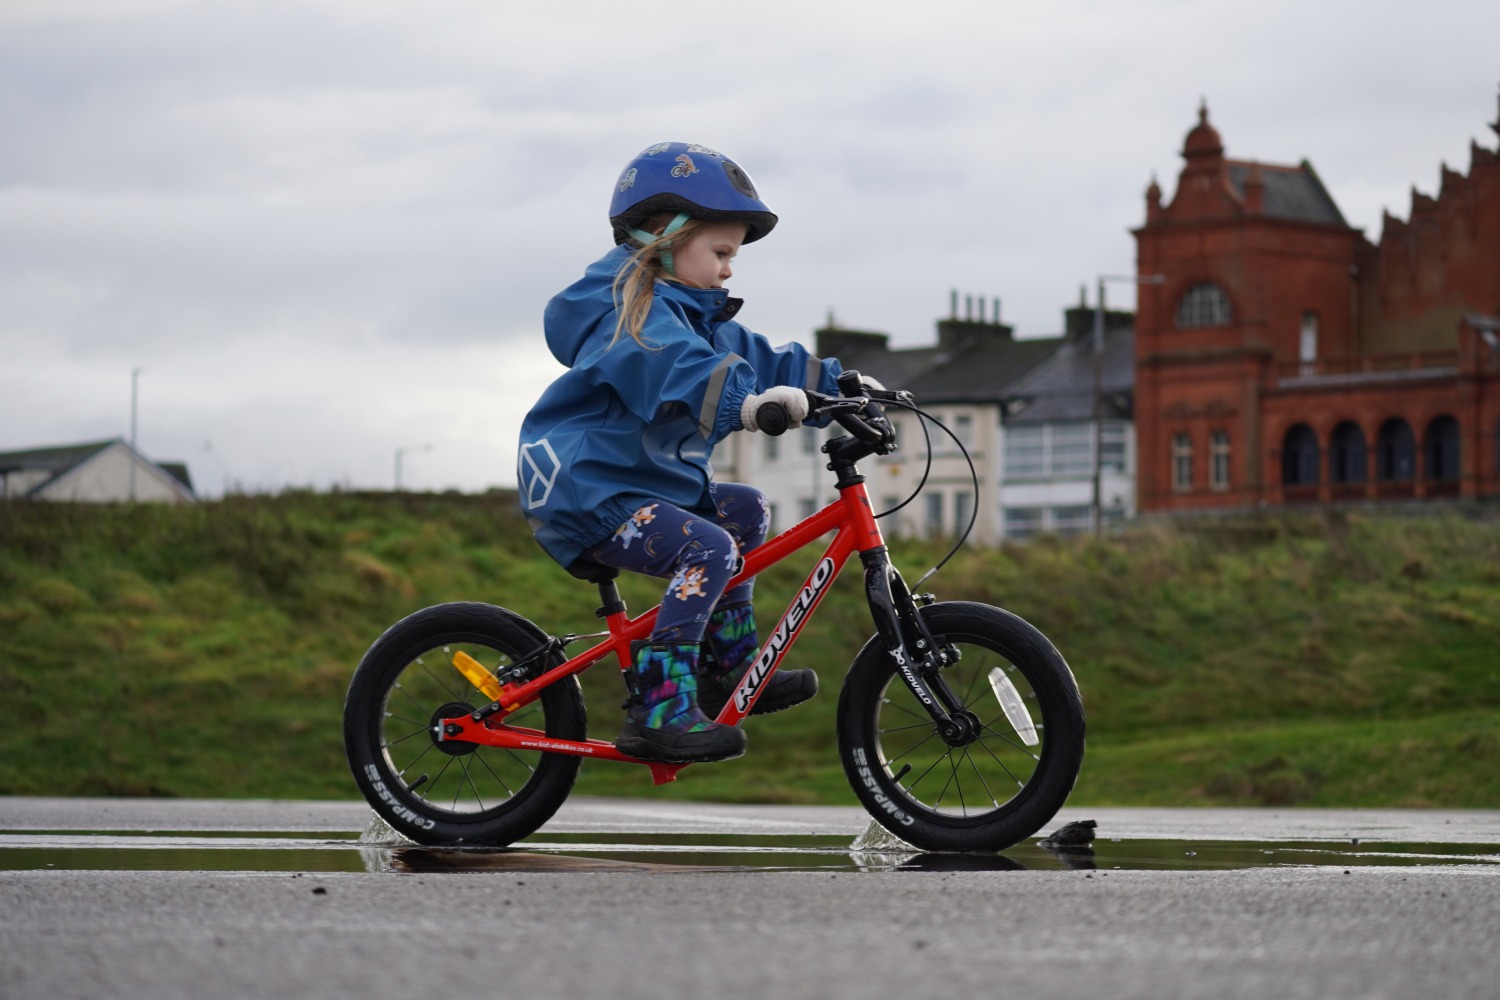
column 1315, row 932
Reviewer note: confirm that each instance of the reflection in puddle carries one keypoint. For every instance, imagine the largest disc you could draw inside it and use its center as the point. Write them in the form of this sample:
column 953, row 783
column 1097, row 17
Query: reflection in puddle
column 428, row 859
column 697, row 852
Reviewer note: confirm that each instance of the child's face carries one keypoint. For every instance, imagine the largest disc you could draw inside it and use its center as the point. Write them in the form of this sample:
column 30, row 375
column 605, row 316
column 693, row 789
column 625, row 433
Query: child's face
column 703, row 261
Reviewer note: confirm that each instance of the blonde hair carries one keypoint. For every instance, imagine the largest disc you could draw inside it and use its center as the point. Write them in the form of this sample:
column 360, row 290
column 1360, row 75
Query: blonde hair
column 635, row 285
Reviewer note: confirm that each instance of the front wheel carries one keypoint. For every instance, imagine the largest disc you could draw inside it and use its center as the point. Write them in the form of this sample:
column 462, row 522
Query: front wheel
column 446, row 791
column 1005, row 766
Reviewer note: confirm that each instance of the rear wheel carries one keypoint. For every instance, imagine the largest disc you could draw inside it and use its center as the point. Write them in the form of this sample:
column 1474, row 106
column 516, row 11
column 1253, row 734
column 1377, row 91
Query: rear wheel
column 1005, row 765
column 445, row 791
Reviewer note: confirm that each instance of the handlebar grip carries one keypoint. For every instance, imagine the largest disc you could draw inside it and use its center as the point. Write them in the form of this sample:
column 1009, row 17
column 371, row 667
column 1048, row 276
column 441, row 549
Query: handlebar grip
column 772, row 419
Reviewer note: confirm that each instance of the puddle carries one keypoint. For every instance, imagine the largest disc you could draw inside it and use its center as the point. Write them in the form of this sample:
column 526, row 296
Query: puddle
column 375, row 851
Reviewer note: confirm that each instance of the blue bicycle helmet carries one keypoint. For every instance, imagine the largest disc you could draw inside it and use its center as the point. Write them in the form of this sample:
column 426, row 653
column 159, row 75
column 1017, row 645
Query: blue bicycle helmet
column 689, row 179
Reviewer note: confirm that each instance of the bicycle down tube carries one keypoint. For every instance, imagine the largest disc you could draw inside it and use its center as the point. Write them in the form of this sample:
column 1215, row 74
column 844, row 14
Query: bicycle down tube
column 857, row 532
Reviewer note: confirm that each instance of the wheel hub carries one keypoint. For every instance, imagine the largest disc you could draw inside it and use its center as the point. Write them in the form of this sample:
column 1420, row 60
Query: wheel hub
column 453, row 748
column 961, row 729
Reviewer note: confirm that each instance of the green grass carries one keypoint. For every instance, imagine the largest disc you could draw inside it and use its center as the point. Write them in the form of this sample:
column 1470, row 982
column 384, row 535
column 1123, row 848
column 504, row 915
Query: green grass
column 1315, row 659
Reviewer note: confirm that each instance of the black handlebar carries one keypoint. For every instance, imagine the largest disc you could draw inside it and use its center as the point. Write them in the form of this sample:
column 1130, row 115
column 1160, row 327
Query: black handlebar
column 855, row 411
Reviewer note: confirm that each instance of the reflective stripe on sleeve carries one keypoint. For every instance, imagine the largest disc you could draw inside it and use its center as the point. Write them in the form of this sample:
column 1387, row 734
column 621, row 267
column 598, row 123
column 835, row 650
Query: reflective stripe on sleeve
column 708, row 415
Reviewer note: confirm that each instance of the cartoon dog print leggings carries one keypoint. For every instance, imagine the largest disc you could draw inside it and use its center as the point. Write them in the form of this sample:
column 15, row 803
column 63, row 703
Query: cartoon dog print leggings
column 698, row 551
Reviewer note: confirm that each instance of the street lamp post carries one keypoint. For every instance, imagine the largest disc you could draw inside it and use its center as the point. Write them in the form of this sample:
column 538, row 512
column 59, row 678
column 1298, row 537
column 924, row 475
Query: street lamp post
column 135, row 377
column 1097, row 509
column 403, row 451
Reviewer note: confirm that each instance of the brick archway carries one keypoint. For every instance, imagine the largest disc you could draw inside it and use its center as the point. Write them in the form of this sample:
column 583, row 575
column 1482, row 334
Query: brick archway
column 1440, row 456
column 1396, row 459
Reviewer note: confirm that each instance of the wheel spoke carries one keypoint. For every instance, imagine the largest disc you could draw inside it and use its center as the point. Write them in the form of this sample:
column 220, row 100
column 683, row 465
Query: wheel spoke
column 414, row 761
column 420, row 731
column 918, row 779
column 957, row 783
column 450, row 683
column 503, row 784
column 1004, row 738
column 408, row 696
column 980, row 775
column 469, row 777
column 902, row 708
column 1003, row 766
column 438, row 778
column 519, row 760
column 902, row 729
column 948, row 783
column 973, row 683
column 915, row 746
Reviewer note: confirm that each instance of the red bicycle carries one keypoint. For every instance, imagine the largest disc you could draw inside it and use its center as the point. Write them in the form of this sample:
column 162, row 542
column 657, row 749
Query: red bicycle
column 960, row 726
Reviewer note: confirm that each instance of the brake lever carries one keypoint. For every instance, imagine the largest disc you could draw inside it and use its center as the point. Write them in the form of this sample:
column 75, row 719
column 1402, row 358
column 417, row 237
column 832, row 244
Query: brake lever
column 891, row 396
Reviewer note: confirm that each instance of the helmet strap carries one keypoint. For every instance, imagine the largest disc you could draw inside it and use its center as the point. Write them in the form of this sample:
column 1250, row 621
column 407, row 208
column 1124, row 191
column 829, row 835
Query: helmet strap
column 646, row 239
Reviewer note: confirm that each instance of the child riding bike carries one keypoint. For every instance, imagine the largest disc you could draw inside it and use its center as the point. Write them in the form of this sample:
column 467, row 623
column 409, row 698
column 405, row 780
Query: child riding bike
column 614, row 457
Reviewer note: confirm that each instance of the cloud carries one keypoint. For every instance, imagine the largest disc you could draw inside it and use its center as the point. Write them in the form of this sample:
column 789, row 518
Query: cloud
column 328, row 228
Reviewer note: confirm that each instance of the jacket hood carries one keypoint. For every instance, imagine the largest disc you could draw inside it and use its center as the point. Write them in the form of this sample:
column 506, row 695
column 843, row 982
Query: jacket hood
column 581, row 318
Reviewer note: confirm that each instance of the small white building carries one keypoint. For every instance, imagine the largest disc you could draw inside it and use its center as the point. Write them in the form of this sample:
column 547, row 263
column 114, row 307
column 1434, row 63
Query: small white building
column 100, row 472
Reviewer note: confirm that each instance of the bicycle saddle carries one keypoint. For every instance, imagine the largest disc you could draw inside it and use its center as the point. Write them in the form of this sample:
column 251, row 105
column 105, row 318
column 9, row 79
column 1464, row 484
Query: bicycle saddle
column 587, row 569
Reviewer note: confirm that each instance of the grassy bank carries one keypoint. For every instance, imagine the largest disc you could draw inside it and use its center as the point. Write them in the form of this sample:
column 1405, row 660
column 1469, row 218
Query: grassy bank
column 1333, row 659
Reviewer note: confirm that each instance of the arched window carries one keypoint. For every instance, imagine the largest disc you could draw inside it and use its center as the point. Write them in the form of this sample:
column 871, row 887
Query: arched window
column 1205, row 304
column 1440, row 450
column 1299, row 457
column 1348, row 458
column 1395, row 452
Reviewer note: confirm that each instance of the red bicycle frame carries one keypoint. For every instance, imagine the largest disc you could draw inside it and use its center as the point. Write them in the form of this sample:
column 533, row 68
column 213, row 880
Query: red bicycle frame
column 850, row 515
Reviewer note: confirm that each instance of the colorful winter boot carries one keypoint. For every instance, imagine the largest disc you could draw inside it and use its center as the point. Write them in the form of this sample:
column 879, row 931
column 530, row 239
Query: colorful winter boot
column 662, row 719
column 728, row 650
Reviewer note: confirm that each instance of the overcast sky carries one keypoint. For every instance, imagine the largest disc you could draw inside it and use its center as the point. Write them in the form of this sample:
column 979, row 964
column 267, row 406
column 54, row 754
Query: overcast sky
column 326, row 229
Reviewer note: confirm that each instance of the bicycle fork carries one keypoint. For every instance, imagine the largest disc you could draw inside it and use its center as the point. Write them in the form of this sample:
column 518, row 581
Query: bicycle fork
column 918, row 655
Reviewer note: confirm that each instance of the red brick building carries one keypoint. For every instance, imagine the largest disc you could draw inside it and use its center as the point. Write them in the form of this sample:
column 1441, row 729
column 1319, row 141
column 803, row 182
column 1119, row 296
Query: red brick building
column 1284, row 358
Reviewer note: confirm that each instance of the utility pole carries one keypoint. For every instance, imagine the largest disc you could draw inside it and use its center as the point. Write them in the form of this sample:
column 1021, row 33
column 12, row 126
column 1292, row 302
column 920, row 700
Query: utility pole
column 403, row 451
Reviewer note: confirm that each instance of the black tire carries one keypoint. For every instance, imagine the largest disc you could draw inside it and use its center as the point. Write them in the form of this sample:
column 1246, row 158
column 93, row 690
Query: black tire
column 451, row 792
column 991, row 792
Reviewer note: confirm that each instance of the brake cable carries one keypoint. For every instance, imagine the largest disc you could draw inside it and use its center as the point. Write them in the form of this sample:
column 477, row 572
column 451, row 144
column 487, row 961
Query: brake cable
column 923, row 418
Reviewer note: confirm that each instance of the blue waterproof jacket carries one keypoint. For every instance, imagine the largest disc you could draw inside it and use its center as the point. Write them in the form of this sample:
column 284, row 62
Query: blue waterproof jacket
column 629, row 422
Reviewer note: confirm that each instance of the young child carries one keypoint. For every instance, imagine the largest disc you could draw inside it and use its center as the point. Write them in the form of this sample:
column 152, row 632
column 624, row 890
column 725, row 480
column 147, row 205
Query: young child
column 614, row 459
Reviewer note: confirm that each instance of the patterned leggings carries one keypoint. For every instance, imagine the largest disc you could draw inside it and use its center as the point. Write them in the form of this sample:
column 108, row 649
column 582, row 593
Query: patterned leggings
column 699, row 552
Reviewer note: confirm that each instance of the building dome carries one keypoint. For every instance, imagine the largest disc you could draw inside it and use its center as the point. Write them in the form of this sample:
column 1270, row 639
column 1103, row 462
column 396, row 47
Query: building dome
column 1204, row 139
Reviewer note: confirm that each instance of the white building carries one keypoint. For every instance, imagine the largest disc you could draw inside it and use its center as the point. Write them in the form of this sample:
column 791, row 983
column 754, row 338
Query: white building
column 1055, row 433
column 99, row 472
column 967, row 380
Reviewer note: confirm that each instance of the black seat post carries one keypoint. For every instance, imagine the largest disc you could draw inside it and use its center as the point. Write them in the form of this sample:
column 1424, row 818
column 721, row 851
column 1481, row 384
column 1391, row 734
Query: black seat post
column 598, row 573
column 610, row 601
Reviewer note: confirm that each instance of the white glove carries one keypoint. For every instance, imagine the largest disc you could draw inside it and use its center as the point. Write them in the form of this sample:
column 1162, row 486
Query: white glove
column 794, row 400
column 869, row 382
